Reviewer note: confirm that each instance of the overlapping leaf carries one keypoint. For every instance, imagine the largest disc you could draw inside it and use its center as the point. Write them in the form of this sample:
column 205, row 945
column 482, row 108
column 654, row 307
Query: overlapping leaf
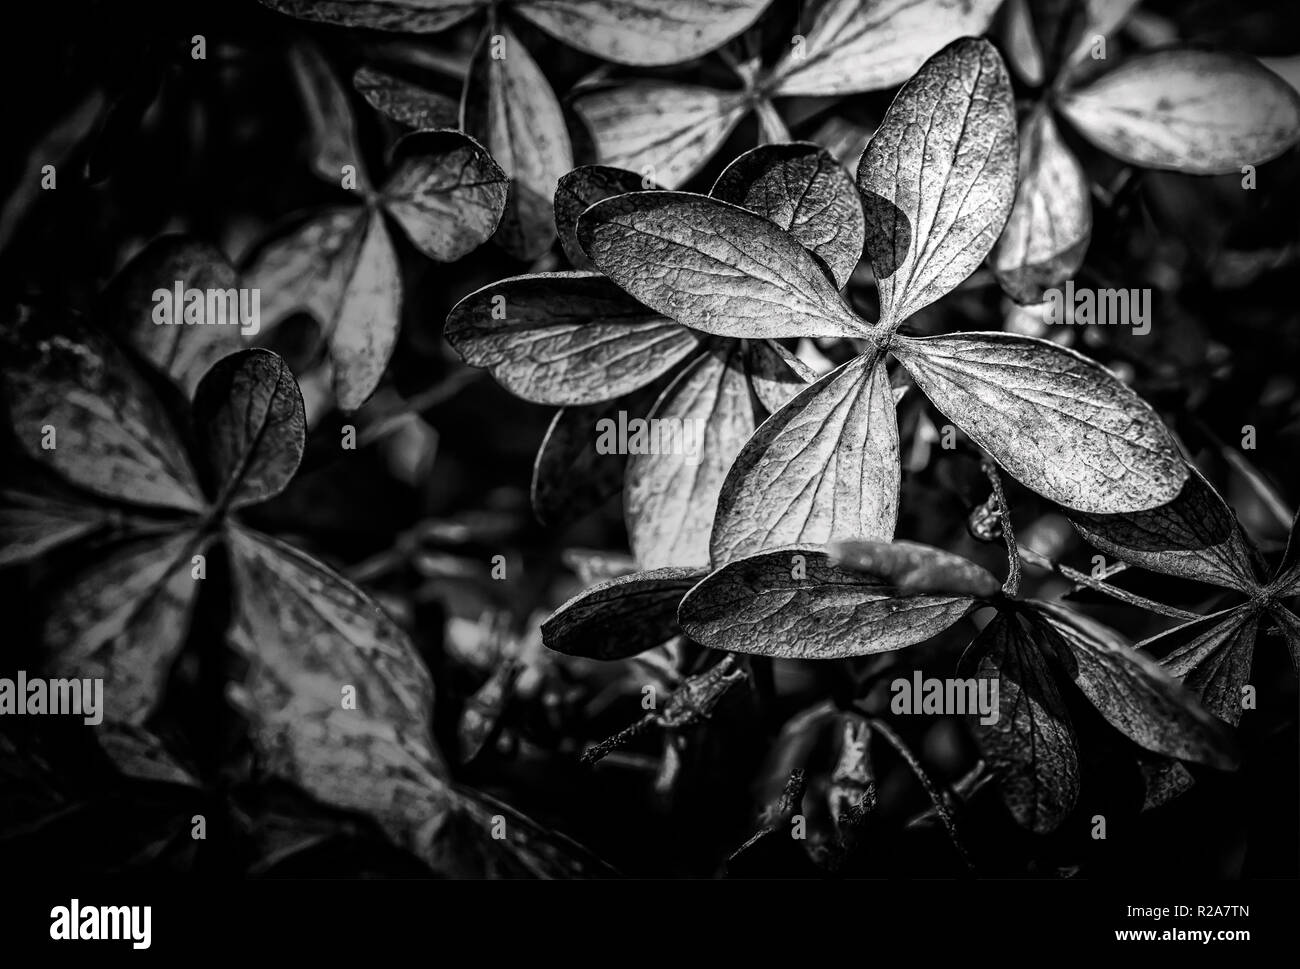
column 620, row 617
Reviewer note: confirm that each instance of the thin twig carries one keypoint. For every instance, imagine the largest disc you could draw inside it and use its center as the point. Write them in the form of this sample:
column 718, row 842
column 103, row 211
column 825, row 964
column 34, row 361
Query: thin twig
column 1012, row 585
column 1082, row 579
column 597, row 752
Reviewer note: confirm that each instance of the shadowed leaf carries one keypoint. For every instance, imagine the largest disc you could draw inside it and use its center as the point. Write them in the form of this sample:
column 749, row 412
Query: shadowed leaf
column 581, row 188
column 406, row 103
column 414, row 16
column 913, row 569
column 329, row 117
column 1215, row 664
column 775, row 373
column 620, row 617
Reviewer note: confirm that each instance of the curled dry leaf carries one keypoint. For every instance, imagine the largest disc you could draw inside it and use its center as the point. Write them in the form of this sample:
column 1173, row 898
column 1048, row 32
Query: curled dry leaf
column 914, row 569
column 1031, row 745
column 1047, row 234
column 620, row 617
column 581, row 188
column 1202, row 112
column 565, row 338
column 1058, row 422
column 802, row 189
column 1215, row 663
column 714, row 267
column 939, row 177
column 823, row 467
column 250, row 422
column 1133, row 693
column 793, row 603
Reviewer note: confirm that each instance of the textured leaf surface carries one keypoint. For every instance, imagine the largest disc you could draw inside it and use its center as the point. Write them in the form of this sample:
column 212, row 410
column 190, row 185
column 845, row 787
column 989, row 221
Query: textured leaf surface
column 509, row 106
column 1134, row 694
column 794, row 604
column 865, row 46
column 643, row 32
column 914, row 569
column 671, row 497
column 414, row 16
column 566, row 338
column 1031, row 746
column 775, row 373
column 663, row 131
column 1059, row 423
column 111, row 433
column 446, row 192
column 581, row 188
column 406, row 103
column 307, row 634
column 125, row 620
column 822, row 468
column 249, row 419
column 713, row 266
column 620, row 617
column 939, row 177
column 1194, row 536
column 1215, row 664
column 1204, row 112
column 1047, row 234
column 804, row 190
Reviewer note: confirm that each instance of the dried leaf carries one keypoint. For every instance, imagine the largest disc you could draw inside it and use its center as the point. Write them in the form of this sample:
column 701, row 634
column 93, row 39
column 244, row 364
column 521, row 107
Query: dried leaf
column 1058, row 422
column 620, row 617
column 824, row 467
column 1047, row 234
column 406, row 103
column 939, row 177
column 581, row 188
column 125, row 620
column 855, row 46
column 635, row 32
column 1204, row 112
column 413, row 16
column 508, row 104
column 664, row 131
column 365, row 326
column 1290, row 626
column 329, row 117
column 250, row 422
column 111, row 433
column 804, row 190
column 1031, row 745
column 182, row 352
column 1195, row 536
column 793, row 603
column 1133, row 693
column 565, row 338
column 446, row 192
column 311, row 639
column 714, row 267
column 775, row 373
column 670, row 496
column 914, row 569
column 1215, row 664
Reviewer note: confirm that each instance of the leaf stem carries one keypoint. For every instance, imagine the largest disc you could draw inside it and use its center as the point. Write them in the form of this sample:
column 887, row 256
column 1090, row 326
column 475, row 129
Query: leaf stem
column 1011, row 587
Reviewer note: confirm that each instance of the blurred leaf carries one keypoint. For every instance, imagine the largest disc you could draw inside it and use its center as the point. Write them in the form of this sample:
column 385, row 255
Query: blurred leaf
column 33, row 522
column 329, row 116
column 406, row 103
column 713, row 266
column 620, row 617
column 939, row 177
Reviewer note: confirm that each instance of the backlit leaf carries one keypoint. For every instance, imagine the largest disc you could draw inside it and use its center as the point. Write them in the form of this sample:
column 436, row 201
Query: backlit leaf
column 822, row 468
column 620, row 617
column 1047, row 234
column 1133, row 693
column 1058, row 422
column 1204, row 112
column 939, row 177
column 794, row 604
column 249, row 418
column 804, row 190
column 565, row 338
column 714, row 267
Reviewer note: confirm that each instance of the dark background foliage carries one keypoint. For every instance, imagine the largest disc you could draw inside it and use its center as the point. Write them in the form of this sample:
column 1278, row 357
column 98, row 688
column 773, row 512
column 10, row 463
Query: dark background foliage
column 148, row 140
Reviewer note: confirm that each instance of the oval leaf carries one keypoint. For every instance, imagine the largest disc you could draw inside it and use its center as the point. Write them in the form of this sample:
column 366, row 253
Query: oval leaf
column 620, row 617
column 939, row 177
column 714, row 267
column 1058, row 422
column 914, row 569
column 1047, row 234
column 855, row 46
column 664, row 131
column 804, row 190
column 250, row 422
column 565, row 338
column 406, row 103
column 408, row 16
column 446, row 192
column 1203, row 112
column 775, row 373
column 793, row 603
column 823, row 467
column 329, row 116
